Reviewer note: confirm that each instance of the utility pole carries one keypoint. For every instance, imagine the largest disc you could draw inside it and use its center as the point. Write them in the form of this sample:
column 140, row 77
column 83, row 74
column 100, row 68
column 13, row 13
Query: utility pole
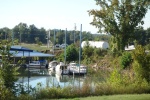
column 74, row 31
column 80, row 48
column 48, row 39
column 20, row 38
column 54, row 43
column 20, row 33
column 12, row 38
column 65, row 45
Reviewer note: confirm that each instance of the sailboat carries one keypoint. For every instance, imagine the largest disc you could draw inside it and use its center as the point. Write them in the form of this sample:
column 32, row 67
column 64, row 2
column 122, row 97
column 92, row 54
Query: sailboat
column 75, row 68
column 62, row 68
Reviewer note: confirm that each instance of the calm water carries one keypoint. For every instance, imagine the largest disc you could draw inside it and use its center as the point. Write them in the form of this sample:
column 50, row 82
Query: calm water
column 48, row 79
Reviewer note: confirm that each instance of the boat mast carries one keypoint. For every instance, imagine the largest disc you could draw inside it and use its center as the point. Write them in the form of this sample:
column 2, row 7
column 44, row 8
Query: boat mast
column 80, row 47
column 48, row 39
column 54, row 43
column 65, row 45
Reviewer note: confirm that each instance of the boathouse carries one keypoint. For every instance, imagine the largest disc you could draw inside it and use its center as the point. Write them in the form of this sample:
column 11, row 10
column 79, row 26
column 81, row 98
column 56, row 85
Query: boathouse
column 18, row 52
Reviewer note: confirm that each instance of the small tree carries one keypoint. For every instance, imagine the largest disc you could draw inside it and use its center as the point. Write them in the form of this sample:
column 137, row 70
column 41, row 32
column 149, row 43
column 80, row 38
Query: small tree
column 126, row 59
column 8, row 71
column 71, row 53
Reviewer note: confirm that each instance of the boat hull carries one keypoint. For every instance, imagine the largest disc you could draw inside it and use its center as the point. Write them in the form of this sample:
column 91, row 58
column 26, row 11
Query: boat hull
column 77, row 72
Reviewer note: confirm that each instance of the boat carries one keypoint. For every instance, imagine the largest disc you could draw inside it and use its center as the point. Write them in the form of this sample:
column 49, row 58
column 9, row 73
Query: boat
column 61, row 69
column 52, row 65
column 76, row 69
column 36, row 64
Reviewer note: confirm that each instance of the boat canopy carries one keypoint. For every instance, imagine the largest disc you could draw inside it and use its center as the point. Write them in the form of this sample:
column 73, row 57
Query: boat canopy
column 19, row 51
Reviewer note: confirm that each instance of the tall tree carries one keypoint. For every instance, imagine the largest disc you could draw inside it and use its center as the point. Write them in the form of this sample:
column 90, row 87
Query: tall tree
column 119, row 18
column 140, row 36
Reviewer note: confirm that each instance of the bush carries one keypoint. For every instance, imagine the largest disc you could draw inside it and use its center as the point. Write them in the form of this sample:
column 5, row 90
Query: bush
column 126, row 59
column 141, row 63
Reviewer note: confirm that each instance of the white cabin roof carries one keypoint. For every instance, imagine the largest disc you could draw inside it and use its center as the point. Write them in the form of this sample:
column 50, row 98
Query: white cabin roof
column 97, row 44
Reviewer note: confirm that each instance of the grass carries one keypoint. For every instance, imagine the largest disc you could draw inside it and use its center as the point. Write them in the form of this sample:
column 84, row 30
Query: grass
column 35, row 46
column 116, row 97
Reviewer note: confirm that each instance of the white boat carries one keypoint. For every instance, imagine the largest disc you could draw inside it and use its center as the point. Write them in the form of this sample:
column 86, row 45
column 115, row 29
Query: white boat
column 61, row 69
column 36, row 64
column 52, row 65
column 77, row 69
column 62, row 78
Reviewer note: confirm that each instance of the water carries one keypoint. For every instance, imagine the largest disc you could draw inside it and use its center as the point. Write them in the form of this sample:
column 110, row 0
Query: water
column 49, row 79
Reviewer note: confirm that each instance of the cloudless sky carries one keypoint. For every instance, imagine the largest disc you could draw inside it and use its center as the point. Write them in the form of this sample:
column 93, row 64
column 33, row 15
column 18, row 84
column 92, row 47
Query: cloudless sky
column 51, row 14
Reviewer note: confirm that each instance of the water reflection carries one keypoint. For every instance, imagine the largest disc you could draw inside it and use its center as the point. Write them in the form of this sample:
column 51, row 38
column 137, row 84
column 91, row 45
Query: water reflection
column 49, row 79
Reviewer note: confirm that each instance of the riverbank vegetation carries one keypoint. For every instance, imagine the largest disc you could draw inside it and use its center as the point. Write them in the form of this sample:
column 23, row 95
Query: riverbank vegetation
column 124, row 72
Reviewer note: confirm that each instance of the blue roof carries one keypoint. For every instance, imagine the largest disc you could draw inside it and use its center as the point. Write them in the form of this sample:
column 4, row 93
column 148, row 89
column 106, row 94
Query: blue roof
column 18, row 51
column 20, row 48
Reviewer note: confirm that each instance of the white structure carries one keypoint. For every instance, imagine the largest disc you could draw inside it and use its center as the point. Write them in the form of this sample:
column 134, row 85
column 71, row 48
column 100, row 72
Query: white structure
column 74, row 68
column 131, row 47
column 52, row 65
column 97, row 44
column 61, row 69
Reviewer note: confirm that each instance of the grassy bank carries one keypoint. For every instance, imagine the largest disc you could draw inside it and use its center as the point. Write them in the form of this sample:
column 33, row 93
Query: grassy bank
column 116, row 97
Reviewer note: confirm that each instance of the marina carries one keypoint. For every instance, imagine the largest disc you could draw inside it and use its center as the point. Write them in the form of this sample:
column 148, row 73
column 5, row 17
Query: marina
column 50, row 79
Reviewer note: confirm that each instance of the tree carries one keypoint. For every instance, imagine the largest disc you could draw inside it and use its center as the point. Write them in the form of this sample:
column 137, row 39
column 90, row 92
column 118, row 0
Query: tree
column 8, row 71
column 71, row 53
column 119, row 18
column 141, row 63
column 148, row 35
column 140, row 36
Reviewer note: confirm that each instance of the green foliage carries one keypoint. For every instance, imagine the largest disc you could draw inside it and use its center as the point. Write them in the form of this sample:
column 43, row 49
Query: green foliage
column 25, row 97
column 87, row 52
column 141, row 63
column 122, row 83
column 115, row 17
column 126, row 59
column 8, row 71
column 72, row 53
column 147, row 47
column 5, row 94
column 141, row 36
column 91, row 54
column 115, row 78
column 39, row 43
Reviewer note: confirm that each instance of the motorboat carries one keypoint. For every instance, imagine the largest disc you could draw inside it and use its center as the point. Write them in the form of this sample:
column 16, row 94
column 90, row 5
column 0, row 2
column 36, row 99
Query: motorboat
column 52, row 65
column 77, row 69
column 36, row 64
column 61, row 69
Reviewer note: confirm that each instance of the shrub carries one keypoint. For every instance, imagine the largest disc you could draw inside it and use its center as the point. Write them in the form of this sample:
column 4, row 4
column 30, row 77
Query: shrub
column 126, row 59
column 141, row 63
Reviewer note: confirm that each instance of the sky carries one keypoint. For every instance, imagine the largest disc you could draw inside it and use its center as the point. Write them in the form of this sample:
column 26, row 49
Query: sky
column 51, row 14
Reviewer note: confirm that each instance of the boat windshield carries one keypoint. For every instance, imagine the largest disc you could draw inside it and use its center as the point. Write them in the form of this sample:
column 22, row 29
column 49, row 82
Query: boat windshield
column 73, row 64
column 54, row 64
